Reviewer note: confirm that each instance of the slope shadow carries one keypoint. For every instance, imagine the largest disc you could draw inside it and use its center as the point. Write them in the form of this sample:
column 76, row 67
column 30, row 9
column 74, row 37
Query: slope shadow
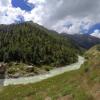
column 2, row 73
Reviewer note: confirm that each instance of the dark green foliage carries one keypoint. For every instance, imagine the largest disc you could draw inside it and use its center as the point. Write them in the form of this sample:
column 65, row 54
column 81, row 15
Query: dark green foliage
column 33, row 44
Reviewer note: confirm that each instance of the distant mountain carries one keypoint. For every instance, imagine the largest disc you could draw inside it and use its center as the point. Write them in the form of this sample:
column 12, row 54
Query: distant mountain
column 85, row 41
column 33, row 44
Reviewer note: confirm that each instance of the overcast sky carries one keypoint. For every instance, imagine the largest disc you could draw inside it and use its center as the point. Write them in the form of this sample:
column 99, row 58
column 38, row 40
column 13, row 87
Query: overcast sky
column 70, row 16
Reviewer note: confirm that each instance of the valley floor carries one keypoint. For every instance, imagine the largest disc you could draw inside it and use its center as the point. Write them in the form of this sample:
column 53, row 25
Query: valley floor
column 34, row 79
column 82, row 84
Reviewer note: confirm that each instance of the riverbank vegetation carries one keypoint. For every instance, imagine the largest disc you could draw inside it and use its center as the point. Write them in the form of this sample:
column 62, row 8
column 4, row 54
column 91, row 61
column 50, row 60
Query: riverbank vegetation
column 82, row 84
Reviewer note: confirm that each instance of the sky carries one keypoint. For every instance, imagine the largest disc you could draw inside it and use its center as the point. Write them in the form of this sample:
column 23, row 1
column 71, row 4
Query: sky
column 63, row 16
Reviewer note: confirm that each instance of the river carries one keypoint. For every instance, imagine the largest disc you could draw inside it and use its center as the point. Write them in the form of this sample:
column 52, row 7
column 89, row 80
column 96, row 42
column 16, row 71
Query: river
column 38, row 78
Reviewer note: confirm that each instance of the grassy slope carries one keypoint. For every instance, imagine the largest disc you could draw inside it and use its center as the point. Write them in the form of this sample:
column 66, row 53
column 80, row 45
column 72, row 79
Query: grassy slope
column 83, row 84
column 54, row 88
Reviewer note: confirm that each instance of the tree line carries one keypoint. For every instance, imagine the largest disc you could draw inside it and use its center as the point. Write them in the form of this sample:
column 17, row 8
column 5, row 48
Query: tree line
column 33, row 44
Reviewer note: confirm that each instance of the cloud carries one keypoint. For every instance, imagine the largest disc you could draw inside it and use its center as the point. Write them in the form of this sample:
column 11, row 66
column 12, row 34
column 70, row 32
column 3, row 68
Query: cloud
column 4, row 2
column 72, row 25
column 96, row 33
column 9, row 14
column 71, row 16
column 19, row 19
column 59, row 9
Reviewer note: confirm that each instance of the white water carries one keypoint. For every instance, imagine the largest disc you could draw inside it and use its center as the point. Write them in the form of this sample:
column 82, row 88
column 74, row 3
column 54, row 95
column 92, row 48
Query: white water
column 54, row 72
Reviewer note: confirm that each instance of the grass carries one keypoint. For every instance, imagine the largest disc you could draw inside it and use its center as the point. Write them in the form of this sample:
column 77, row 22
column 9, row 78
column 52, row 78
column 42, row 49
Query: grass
column 71, row 83
column 82, row 84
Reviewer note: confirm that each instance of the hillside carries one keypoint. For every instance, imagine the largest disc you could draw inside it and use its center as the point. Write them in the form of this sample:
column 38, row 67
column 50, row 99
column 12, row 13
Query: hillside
column 83, row 84
column 93, row 55
column 85, row 41
column 29, row 44
column 93, row 52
